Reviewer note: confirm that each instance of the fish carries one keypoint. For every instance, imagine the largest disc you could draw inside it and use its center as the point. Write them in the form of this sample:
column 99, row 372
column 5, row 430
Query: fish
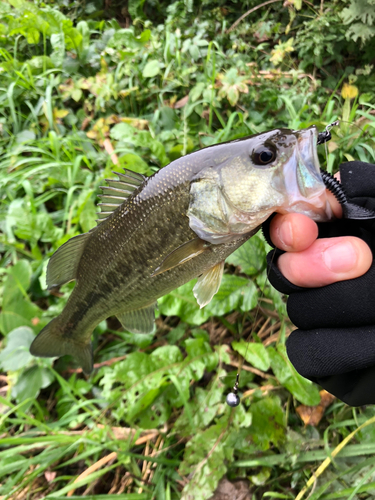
column 156, row 233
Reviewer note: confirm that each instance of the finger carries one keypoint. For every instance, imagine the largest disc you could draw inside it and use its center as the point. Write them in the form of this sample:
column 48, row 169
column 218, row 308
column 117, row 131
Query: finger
column 296, row 232
column 293, row 232
column 326, row 261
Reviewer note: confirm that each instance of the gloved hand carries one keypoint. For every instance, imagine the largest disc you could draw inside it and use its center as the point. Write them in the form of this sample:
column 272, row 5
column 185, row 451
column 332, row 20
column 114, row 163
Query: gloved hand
column 334, row 345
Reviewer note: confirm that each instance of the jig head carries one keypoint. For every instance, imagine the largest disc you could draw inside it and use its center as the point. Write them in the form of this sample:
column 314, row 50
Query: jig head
column 233, row 398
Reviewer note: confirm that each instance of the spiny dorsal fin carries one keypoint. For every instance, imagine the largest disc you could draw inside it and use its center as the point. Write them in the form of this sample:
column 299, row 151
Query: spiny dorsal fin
column 139, row 320
column 118, row 190
column 182, row 254
column 131, row 177
column 208, row 284
column 62, row 266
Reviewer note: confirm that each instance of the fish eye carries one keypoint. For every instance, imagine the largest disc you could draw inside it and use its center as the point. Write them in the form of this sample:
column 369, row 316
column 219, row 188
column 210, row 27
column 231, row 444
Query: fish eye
column 264, row 155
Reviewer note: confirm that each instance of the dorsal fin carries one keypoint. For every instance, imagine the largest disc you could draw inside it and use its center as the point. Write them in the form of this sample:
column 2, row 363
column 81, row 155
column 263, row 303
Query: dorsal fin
column 131, row 177
column 62, row 266
column 118, row 190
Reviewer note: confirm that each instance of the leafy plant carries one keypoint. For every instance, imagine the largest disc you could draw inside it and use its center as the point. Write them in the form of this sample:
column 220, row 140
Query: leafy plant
column 92, row 87
column 361, row 11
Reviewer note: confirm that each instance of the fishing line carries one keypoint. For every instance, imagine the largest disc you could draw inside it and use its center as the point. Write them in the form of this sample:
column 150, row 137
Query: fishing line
column 233, row 398
column 325, row 136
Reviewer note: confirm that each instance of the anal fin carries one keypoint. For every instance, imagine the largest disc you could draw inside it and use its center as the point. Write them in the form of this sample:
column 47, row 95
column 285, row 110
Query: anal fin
column 208, row 284
column 182, row 254
column 139, row 320
column 62, row 266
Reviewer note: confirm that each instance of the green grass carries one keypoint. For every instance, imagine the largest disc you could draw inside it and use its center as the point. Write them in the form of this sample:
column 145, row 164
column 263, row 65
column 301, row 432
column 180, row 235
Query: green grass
column 151, row 422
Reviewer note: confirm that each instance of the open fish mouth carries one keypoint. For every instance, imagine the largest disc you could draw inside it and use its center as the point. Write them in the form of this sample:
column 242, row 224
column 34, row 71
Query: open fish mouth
column 303, row 183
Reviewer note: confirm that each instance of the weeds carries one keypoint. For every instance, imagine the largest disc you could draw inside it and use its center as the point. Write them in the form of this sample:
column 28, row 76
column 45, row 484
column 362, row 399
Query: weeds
column 151, row 83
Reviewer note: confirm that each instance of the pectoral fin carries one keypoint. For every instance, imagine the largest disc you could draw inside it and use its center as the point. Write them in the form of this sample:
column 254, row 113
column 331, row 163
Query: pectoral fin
column 139, row 320
column 182, row 254
column 208, row 284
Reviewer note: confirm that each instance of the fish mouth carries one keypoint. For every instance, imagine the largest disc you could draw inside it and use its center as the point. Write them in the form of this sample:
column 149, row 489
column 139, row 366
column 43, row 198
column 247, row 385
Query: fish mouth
column 306, row 191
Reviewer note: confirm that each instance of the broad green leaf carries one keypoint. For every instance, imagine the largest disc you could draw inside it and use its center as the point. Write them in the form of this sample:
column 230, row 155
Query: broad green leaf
column 151, row 69
column 166, row 355
column 182, row 303
column 204, row 407
column 297, row 4
column 254, row 353
column 131, row 370
column 262, row 477
column 19, row 315
column 178, row 392
column 31, row 382
column 145, row 36
column 204, row 461
column 233, row 95
column 194, row 52
column 200, row 357
column 241, row 417
column 141, row 380
column 302, row 389
column 25, row 136
column 17, row 282
column 196, row 91
column 197, row 347
column 135, row 163
column 19, row 311
column 142, row 138
column 268, row 424
column 58, row 45
column 124, row 38
column 77, row 94
column 122, row 132
column 16, row 354
column 50, row 233
column 30, row 226
column 235, row 293
column 88, row 216
column 250, row 257
column 142, row 402
column 155, row 414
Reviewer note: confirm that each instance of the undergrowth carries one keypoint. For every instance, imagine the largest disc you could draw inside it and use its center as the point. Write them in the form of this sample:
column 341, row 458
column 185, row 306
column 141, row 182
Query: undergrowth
column 89, row 87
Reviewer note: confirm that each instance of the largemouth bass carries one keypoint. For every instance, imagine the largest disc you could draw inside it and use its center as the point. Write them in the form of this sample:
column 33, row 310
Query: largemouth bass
column 155, row 234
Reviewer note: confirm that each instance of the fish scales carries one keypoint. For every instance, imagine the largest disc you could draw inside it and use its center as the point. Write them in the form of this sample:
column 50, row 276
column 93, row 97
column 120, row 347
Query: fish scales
column 153, row 223
column 178, row 224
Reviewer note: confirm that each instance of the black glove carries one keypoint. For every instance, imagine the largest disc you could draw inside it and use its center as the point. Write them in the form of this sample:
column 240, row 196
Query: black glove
column 335, row 343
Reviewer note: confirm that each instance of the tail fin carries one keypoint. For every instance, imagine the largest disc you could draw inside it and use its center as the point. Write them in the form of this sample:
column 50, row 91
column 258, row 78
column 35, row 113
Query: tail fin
column 50, row 343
